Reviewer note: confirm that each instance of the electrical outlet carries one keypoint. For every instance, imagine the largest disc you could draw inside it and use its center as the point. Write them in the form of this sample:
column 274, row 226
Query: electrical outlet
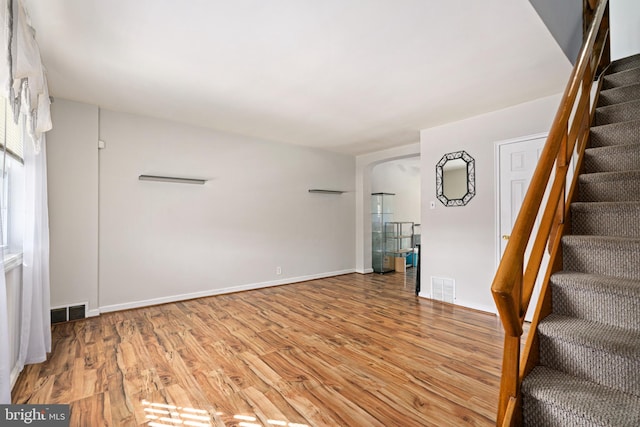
column 278, row 270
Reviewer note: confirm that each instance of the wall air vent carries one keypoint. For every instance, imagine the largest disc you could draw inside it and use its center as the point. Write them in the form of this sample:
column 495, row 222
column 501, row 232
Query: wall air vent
column 58, row 315
column 443, row 289
column 72, row 312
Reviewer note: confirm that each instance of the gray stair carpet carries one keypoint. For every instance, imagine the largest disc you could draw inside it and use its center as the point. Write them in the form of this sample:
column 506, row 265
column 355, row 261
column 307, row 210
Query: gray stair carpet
column 612, row 158
column 561, row 400
column 571, row 345
column 614, row 219
column 589, row 346
column 617, row 113
column 608, row 300
column 604, row 255
column 609, row 186
column 622, row 78
column 615, row 134
column 619, row 95
column 624, row 64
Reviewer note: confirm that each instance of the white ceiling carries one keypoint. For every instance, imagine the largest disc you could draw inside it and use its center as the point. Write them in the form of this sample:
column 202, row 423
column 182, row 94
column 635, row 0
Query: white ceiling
column 352, row 76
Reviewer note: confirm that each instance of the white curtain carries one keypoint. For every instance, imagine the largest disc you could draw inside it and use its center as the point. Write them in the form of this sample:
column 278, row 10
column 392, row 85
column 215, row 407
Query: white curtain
column 5, row 368
column 23, row 82
column 35, row 333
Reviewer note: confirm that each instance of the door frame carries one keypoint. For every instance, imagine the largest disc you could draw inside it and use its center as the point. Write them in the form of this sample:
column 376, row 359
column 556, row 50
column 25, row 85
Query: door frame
column 497, row 145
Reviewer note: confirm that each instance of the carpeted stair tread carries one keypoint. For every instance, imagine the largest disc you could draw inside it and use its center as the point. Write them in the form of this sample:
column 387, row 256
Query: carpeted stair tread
column 612, row 158
column 619, row 95
column 621, row 78
column 603, row 255
column 611, row 176
column 624, row 64
column 595, row 335
column 616, row 113
column 601, row 353
column 552, row 398
column 609, row 300
column 615, row 134
column 620, row 219
column 609, row 186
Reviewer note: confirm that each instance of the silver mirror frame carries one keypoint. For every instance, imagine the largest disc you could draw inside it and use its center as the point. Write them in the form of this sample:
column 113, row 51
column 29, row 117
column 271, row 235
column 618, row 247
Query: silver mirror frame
column 471, row 178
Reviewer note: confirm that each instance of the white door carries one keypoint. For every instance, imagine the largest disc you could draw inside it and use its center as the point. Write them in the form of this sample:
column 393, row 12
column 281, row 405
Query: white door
column 516, row 161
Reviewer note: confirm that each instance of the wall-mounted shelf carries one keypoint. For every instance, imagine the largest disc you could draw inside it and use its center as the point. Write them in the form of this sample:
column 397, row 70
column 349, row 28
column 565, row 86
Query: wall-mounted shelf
column 320, row 191
column 173, row 179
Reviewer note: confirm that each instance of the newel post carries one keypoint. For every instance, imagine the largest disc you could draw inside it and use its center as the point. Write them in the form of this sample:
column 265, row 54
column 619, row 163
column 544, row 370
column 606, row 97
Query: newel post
column 510, row 381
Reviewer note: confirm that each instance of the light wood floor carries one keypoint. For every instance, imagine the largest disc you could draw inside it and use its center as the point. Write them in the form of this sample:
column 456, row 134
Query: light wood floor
column 355, row 350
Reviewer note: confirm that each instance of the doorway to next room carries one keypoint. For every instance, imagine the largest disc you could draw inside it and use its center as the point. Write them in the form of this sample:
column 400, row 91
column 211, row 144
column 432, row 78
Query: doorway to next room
column 395, row 219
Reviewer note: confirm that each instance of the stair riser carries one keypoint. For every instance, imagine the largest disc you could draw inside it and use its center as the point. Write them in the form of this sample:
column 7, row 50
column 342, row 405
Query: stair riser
column 614, row 223
column 624, row 64
column 615, row 310
column 595, row 365
column 553, row 398
column 616, row 134
column 537, row 413
column 617, row 113
column 619, row 95
column 623, row 78
column 623, row 161
column 609, row 191
column 615, row 260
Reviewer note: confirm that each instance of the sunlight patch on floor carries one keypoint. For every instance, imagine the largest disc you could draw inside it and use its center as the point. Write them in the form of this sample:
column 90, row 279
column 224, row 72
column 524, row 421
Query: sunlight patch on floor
column 164, row 415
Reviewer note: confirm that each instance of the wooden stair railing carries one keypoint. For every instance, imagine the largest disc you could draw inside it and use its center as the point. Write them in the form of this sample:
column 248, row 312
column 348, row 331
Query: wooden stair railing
column 520, row 266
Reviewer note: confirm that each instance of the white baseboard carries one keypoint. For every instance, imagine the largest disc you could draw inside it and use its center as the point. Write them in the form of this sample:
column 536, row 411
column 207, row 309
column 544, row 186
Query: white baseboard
column 480, row 307
column 467, row 304
column 211, row 292
column 93, row 313
column 365, row 271
column 424, row 295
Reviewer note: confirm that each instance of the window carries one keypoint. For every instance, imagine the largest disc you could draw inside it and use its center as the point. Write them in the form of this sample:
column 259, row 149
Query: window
column 11, row 182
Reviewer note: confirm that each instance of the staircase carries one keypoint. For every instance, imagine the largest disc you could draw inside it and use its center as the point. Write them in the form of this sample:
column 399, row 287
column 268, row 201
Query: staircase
column 589, row 369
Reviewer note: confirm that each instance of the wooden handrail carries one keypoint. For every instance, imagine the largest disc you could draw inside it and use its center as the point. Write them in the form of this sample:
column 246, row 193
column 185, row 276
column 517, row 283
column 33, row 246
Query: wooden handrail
column 515, row 279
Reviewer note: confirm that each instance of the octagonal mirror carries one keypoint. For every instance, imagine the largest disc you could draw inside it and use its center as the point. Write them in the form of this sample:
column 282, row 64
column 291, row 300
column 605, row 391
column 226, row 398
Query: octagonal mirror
column 455, row 179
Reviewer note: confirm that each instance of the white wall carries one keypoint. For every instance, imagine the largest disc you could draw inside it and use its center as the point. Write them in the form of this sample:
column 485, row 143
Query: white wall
column 401, row 177
column 624, row 17
column 255, row 213
column 159, row 242
column 460, row 242
column 72, row 168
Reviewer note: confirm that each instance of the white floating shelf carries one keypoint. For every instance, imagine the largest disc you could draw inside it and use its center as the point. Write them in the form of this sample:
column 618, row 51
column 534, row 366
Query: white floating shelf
column 173, row 179
column 320, row 191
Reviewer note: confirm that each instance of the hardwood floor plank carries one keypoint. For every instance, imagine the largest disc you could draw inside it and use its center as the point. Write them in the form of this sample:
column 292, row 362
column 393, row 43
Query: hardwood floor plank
column 315, row 413
column 354, row 350
column 268, row 411
column 223, row 396
column 39, row 392
column 94, row 410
